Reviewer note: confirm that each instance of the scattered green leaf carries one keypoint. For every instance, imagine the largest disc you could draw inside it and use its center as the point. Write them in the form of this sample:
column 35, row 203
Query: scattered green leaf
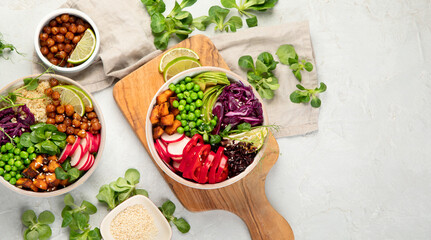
column 304, row 95
column 38, row 228
column 168, row 210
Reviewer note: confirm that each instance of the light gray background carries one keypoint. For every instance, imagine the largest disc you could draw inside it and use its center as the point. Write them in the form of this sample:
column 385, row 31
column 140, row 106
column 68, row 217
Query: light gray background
column 364, row 175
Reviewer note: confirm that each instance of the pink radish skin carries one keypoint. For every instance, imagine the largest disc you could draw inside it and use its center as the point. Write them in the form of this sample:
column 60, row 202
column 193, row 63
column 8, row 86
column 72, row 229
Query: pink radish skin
column 66, row 152
column 93, row 146
column 176, row 165
column 90, row 138
column 177, row 159
column 176, row 137
column 85, row 144
column 76, row 156
column 161, row 152
column 162, row 147
column 90, row 162
column 176, row 149
column 83, row 162
column 98, row 138
column 75, row 145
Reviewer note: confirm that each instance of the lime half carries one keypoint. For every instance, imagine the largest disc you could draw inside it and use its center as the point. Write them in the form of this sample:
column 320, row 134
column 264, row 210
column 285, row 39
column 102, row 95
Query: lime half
column 179, row 65
column 255, row 136
column 68, row 96
column 176, row 53
column 84, row 96
column 84, row 48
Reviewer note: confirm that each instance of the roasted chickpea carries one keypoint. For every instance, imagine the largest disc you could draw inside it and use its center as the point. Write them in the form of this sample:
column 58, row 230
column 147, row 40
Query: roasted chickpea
column 88, row 109
column 60, row 109
column 91, row 115
column 94, row 120
column 65, row 17
column 67, row 121
column 54, row 49
column 56, row 102
column 58, row 19
column 55, row 30
column 71, row 139
column 63, row 30
column 43, row 44
column 60, row 46
column 67, row 41
column 96, row 126
column 72, row 28
column 50, row 121
column 50, row 56
column 69, row 35
column 70, row 130
column 59, row 38
column 86, row 25
column 76, row 39
column 94, row 132
column 54, row 61
column 55, row 95
column 53, row 23
column 62, row 55
column 48, row 91
column 66, row 25
column 84, row 126
column 76, row 123
column 77, row 116
column 76, row 131
column 47, row 29
column 84, row 119
column 79, row 21
column 59, row 119
column 50, row 42
column 68, row 48
column 69, row 110
column 61, row 127
column 51, row 115
column 50, row 108
column 53, row 82
column 63, row 62
column 82, row 133
column 80, row 28
column 72, row 19
column 44, row 51
column 43, row 36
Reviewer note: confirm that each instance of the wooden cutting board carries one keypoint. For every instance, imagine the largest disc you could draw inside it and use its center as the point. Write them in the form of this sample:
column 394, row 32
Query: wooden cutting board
column 246, row 198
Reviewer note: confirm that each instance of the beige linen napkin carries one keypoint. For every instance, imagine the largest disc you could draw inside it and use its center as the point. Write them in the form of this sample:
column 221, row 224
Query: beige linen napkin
column 127, row 43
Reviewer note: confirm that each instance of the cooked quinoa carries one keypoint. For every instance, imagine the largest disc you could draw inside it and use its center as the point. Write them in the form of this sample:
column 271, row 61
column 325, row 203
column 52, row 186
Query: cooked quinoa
column 133, row 223
column 36, row 106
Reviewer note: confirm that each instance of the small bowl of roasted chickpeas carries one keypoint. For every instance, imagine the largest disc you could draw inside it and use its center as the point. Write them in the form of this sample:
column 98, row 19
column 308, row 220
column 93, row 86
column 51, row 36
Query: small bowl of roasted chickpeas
column 57, row 36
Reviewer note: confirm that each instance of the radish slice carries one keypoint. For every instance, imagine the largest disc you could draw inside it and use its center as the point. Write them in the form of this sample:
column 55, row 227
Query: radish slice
column 66, row 152
column 75, row 145
column 176, row 149
column 163, row 147
column 98, row 138
column 161, row 150
column 177, row 159
column 90, row 139
column 76, row 156
column 176, row 165
column 176, row 137
column 91, row 161
column 83, row 162
column 85, row 144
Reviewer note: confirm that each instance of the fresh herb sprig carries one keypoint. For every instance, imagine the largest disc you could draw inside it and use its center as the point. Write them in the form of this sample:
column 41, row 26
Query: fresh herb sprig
column 38, row 227
column 218, row 16
column 288, row 56
column 68, row 172
column 121, row 189
column 247, row 6
column 177, row 23
column 304, row 95
column 45, row 138
column 168, row 209
column 77, row 217
column 260, row 75
column 6, row 47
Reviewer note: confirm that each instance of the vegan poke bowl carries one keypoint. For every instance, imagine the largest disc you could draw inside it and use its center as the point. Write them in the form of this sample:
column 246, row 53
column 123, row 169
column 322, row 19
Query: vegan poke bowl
column 206, row 128
column 51, row 135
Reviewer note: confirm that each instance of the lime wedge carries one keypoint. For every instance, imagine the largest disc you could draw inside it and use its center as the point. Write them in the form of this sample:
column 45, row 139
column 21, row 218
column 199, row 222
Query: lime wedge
column 68, row 96
column 84, row 48
column 176, row 53
column 255, row 136
column 84, row 96
column 179, row 65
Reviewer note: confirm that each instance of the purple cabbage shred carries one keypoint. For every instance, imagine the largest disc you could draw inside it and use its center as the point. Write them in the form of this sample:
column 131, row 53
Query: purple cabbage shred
column 22, row 117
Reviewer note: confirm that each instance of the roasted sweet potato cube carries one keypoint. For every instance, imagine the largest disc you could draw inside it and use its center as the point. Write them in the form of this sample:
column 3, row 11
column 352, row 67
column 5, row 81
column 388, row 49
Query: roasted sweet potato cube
column 167, row 120
column 173, row 129
column 40, row 183
column 30, row 172
column 45, row 168
column 52, row 180
column 52, row 166
column 37, row 163
column 64, row 182
column 22, row 182
column 157, row 132
column 172, row 99
column 155, row 115
column 175, row 111
column 164, row 109
column 164, row 96
column 41, row 176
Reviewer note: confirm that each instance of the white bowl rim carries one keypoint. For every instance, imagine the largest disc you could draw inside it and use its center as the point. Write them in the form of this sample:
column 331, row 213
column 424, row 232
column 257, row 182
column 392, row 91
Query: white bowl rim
column 160, row 162
column 159, row 220
column 84, row 178
column 51, row 16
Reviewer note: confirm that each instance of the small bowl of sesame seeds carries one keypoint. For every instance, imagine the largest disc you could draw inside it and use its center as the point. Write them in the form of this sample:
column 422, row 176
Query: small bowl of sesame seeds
column 136, row 218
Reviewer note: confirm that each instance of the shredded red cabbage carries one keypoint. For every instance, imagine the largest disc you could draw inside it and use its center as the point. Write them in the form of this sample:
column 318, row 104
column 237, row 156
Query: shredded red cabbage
column 235, row 105
column 23, row 119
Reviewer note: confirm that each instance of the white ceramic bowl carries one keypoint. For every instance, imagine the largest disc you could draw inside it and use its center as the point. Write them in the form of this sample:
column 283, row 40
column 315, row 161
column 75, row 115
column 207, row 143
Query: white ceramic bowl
column 149, row 132
column 64, row 80
column 164, row 229
column 73, row 70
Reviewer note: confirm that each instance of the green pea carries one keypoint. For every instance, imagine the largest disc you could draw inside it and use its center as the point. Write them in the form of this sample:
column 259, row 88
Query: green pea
column 7, row 168
column 23, row 154
column 12, row 181
column 11, row 161
column 1, row 171
column 16, row 139
column 5, row 158
column 180, row 130
column 19, row 145
column 181, row 107
column 183, row 102
column 16, row 151
column 180, row 95
column 198, row 113
column 196, row 88
column 200, row 94
column 189, row 86
column 213, row 122
column 182, row 87
column 30, row 149
column 199, row 121
column 183, row 123
column 194, row 95
column 3, row 149
column 178, row 117
column 14, row 168
column 192, row 124
column 186, row 94
column 186, row 128
column 172, row 87
column 17, row 158
column 32, row 156
column 178, row 91
column 18, row 164
column 7, row 177
column 199, row 103
column 187, row 107
column 191, row 116
column 9, row 146
column 188, row 79
column 192, row 108
column 21, row 168
column 182, row 82
column 184, row 116
column 27, row 161
column 193, row 131
column 10, row 155
column 175, row 104
column 189, row 100
column 188, row 134
column 2, row 164
column 13, row 173
column 18, row 176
